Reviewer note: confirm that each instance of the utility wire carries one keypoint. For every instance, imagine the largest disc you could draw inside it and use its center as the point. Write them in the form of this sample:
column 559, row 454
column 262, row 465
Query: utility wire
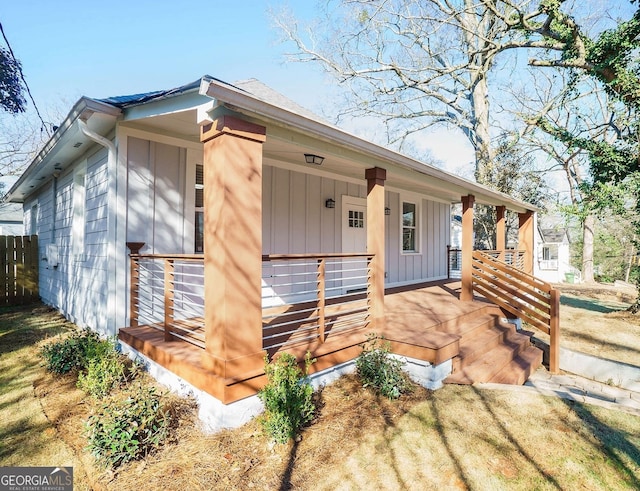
column 24, row 80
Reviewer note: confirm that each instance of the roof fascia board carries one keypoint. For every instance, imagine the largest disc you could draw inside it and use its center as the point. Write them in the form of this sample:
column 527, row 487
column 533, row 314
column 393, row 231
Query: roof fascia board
column 242, row 102
column 183, row 102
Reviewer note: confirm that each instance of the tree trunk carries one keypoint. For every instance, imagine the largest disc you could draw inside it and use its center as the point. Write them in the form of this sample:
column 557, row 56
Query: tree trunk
column 629, row 263
column 484, row 157
column 587, row 248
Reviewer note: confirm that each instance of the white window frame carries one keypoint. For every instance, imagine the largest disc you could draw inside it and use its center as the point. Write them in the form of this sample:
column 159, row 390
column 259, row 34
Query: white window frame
column 417, row 203
column 79, row 212
column 33, row 219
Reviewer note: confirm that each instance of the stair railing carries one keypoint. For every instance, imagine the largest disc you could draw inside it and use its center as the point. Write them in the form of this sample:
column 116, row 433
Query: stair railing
column 534, row 301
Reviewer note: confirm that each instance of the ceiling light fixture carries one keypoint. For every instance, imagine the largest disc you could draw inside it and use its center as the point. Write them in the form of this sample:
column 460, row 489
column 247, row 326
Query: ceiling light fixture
column 313, row 159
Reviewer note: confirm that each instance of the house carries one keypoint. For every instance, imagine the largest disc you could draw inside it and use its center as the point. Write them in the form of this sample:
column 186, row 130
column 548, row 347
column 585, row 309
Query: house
column 11, row 219
column 294, row 231
column 553, row 257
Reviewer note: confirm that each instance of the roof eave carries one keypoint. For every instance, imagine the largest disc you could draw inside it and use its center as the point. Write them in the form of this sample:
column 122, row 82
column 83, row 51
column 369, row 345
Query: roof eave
column 242, row 101
column 84, row 108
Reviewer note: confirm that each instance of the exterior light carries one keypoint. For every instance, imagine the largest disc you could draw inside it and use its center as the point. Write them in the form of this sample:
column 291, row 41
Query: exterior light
column 387, row 211
column 313, row 159
column 330, row 203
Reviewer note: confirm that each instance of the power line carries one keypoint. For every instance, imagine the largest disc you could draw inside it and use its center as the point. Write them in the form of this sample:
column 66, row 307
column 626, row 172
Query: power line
column 24, row 80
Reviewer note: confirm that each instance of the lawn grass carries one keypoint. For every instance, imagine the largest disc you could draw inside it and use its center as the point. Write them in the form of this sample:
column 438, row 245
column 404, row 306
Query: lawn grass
column 594, row 320
column 458, row 437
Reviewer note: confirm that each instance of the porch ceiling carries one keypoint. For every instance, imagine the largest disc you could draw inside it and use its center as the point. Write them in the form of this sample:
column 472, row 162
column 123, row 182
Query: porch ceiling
column 286, row 145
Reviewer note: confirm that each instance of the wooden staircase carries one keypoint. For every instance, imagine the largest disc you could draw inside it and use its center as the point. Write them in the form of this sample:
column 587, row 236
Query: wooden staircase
column 491, row 350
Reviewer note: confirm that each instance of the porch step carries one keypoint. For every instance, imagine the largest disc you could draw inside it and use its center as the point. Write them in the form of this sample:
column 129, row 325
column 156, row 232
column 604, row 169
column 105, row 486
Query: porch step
column 470, row 326
column 506, row 357
column 475, row 347
column 518, row 371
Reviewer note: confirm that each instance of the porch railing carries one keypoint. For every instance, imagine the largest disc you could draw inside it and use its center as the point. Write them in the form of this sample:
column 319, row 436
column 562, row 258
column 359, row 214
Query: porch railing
column 167, row 293
column 307, row 298
column 512, row 257
column 525, row 296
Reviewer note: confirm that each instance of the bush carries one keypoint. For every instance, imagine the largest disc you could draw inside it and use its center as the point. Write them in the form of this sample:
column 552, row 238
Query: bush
column 104, row 373
column 126, row 430
column 378, row 370
column 73, row 352
column 287, row 398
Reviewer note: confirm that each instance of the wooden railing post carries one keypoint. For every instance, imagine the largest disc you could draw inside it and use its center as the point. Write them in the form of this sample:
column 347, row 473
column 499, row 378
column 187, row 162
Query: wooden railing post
column 321, row 298
column 169, row 275
column 370, row 291
column 134, row 291
column 554, row 335
column 134, row 281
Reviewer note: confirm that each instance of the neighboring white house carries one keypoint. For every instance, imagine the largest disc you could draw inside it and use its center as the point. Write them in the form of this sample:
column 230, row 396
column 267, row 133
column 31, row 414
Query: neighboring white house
column 553, row 257
column 11, row 218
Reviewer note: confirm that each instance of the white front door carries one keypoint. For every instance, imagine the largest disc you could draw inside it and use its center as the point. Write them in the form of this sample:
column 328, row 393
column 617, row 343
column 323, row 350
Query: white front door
column 354, row 239
column 354, row 224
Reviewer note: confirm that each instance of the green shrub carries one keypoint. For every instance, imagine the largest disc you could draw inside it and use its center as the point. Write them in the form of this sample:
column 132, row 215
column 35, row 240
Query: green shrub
column 378, row 370
column 104, row 373
column 73, row 352
column 126, row 430
column 287, row 397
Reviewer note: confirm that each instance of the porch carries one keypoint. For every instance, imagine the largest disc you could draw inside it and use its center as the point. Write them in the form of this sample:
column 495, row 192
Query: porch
column 323, row 304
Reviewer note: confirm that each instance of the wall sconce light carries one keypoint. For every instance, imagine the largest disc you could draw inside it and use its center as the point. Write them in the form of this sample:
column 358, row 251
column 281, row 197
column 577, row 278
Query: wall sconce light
column 330, row 203
column 387, row 211
column 313, row 159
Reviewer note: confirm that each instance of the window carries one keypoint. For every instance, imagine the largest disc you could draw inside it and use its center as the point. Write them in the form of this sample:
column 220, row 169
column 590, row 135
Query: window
column 549, row 257
column 549, row 253
column 409, row 227
column 356, row 219
column 199, row 207
column 33, row 224
column 78, row 227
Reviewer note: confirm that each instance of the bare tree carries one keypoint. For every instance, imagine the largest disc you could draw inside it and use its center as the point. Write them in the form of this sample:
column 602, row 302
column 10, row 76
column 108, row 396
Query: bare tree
column 413, row 63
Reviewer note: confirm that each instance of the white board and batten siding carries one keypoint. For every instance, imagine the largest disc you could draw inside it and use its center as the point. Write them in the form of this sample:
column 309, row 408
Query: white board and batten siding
column 296, row 220
column 70, row 217
column 156, row 197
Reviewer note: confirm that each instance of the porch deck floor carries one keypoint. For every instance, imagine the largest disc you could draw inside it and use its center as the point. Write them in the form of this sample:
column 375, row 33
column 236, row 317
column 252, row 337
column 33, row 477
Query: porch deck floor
column 427, row 305
column 422, row 320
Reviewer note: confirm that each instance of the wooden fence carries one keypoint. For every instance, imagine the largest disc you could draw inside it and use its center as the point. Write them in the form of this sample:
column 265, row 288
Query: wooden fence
column 18, row 269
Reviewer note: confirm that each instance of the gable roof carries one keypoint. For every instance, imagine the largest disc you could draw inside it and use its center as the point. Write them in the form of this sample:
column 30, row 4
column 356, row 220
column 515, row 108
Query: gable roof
column 554, row 236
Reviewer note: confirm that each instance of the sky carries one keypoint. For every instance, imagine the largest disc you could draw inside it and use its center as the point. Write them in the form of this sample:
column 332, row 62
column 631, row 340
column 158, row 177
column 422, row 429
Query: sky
column 71, row 48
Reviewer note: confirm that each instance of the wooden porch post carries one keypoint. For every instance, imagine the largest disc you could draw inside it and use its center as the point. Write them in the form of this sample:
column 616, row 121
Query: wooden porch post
column 232, row 245
column 525, row 239
column 466, row 293
column 501, row 236
column 375, row 244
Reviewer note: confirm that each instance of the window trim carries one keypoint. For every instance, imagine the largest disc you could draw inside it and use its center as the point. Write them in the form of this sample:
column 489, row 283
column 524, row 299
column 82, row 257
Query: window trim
column 33, row 219
column 79, row 225
column 417, row 227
